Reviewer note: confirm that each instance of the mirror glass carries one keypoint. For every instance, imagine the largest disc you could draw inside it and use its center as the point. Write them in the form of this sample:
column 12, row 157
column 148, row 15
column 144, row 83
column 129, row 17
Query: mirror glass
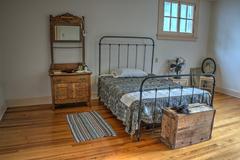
column 67, row 33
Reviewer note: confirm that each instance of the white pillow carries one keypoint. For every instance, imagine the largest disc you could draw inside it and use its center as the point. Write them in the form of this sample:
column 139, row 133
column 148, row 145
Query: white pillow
column 127, row 72
column 106, row 75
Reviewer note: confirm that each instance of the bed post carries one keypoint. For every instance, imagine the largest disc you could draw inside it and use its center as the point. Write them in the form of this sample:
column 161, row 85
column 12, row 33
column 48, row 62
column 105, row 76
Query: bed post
column 99, row 62
column 213, row 89
column 153, row 44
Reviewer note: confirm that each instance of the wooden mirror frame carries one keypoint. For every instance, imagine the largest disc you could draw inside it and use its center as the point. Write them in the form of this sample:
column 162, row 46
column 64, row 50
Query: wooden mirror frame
column 67, row 19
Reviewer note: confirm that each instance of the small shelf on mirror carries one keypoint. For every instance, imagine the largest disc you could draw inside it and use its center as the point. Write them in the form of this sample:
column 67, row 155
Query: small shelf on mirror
column 66, row 41
column 67, row 47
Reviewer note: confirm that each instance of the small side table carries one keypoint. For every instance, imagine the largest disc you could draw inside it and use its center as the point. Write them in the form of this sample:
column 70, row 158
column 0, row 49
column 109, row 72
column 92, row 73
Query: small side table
column 182, row 81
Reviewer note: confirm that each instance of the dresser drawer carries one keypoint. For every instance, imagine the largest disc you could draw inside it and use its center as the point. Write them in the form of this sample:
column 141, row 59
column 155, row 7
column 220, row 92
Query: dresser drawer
column 75, row 92
column 71, row 79
column 71, row 89
column 61, row 91
column 80, row 91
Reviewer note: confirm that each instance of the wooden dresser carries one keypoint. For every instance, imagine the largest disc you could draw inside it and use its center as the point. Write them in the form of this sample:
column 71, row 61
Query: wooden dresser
column 70, row 79
column 71, row 88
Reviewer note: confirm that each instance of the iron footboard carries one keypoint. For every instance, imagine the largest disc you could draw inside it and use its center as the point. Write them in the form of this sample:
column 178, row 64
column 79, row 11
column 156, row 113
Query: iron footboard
column 190, row 76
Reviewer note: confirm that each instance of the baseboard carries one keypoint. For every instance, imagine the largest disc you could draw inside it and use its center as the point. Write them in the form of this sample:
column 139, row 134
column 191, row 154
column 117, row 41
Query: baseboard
column 3, row 109
column 35, row 101
column 229, row 92
column 28, row 101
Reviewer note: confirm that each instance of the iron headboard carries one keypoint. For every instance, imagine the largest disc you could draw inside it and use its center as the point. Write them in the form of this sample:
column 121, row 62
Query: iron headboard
column 120, row 42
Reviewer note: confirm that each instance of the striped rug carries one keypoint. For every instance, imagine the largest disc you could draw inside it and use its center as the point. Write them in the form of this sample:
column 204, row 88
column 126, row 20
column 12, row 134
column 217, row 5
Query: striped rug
column 88, row 125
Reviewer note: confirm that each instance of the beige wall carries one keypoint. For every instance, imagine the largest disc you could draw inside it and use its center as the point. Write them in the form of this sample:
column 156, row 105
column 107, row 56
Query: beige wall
column 1, row 80
column 26, row 37
column 224, row 44
column 2, row 98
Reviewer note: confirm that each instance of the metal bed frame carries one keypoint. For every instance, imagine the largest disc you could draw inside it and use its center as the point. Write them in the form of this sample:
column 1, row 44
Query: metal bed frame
column 148, row 42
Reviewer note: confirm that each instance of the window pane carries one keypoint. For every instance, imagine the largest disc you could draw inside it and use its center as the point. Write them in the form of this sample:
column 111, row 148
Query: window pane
column 173, row 24
column 189, row 26
column 167, row 8
column 190, row 12
column 183, row 10
column 174, row 9
column 182, row 25
column 166, row 24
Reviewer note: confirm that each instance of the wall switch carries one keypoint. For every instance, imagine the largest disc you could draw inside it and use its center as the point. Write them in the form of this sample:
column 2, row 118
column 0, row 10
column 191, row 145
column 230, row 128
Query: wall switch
column 156, row 60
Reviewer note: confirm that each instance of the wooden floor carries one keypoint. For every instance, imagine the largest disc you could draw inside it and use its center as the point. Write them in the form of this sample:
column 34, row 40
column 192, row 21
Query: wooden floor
column 37, row 132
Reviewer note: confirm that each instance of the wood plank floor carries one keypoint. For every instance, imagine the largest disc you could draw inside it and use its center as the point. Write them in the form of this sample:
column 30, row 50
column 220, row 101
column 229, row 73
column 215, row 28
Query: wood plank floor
column 38, row 132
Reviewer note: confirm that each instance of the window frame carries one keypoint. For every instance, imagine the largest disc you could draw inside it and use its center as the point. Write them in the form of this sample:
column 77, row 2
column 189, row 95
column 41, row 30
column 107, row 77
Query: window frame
column 178, row 35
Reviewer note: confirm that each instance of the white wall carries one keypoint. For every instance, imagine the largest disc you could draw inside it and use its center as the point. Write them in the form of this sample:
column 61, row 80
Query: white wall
column 224, row 44
column 26, row 37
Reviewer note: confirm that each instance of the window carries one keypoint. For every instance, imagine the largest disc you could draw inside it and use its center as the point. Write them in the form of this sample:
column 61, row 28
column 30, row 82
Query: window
column 178, row 19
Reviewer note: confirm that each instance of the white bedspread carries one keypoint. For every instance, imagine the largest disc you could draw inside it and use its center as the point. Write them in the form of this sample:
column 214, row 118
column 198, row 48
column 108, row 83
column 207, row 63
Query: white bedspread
column 129, row 98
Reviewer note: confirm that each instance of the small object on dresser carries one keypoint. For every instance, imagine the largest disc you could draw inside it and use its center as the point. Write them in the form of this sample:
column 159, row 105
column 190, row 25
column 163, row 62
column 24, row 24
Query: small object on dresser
column 85, row 68
column 57, row 72
column 180, row 130
column 82, row 68
column 69, row 70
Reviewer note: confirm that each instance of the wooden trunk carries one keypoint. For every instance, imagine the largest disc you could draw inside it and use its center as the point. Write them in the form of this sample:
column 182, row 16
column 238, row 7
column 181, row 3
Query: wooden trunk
column 180, row 130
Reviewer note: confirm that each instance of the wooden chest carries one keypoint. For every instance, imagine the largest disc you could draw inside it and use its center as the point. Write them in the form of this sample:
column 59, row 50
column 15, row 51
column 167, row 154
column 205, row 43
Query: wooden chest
column 179, row 130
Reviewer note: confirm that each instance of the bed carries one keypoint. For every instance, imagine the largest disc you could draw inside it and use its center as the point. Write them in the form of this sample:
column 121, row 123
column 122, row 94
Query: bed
column 140, row 99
